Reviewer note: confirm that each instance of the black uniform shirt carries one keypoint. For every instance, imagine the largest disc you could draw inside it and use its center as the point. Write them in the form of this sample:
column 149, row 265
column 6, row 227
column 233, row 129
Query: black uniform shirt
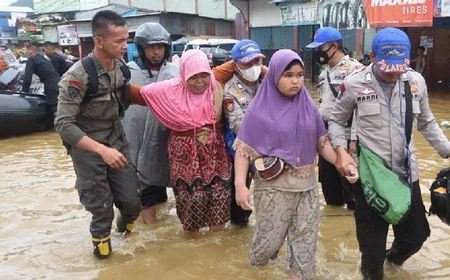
column 42, row 67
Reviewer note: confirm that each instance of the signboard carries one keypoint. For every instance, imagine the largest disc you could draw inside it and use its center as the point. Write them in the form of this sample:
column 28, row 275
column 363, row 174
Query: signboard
column 298, row 14
column 442, row 8
column 395, row 13
column 343, row 14
column 67, row 35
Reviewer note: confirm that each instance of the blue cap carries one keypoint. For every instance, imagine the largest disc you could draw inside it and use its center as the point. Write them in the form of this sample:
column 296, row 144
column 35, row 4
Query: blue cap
column 392, row 49
column 325, row 35
column 245, row 51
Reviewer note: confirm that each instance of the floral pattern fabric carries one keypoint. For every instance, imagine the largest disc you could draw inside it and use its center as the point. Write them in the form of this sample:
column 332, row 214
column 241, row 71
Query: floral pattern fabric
column 200, row 175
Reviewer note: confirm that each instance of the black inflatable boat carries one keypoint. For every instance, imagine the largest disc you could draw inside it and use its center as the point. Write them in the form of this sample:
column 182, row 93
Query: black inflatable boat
column 23, row 113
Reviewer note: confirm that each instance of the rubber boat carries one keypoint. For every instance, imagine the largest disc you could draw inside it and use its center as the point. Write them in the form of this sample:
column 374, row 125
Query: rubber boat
column 23, row 113
column 20, row 113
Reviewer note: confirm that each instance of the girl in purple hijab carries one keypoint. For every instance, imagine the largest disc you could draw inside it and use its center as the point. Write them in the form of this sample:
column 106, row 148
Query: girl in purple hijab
column 282, row 121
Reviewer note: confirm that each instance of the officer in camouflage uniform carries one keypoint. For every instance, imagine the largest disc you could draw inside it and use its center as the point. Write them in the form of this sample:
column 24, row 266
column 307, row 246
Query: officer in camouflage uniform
column 95, row 137
column 329, row 51
column 239, row 91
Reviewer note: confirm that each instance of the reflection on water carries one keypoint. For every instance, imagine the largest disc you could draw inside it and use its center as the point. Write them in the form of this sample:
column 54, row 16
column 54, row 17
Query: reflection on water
column 44, row 230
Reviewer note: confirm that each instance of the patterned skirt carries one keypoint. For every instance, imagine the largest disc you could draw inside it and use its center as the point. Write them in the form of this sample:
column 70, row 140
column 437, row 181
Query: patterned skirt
column 200, row 175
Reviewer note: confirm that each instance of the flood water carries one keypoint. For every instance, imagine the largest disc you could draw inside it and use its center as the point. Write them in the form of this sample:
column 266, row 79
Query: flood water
column 44, row 231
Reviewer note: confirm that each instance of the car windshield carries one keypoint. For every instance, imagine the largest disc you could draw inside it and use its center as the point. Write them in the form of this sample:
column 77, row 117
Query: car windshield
column 205, row 49
column 226, row 47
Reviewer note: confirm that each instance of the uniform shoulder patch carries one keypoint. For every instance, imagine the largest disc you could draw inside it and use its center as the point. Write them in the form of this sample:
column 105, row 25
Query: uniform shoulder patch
column 358, row 70
column 76, row 84
column 74, row 88
column 342, row 88
column 341, row 91
column 228, row 105
column 73, row 92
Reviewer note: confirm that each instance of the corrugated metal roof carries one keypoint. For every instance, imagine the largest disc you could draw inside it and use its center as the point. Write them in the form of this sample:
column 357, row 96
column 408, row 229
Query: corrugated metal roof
column 120, row 9
column 84, row 28
column 13, row 9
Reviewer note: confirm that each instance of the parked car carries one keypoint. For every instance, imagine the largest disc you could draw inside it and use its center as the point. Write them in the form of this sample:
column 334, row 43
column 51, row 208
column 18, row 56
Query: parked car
column 178, row 46
column 221, row 53
column 217, row 50
column 10, row 59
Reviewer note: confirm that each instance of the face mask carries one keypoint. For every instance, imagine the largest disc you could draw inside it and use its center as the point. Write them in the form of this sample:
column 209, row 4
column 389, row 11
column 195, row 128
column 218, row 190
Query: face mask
column 251, row 74
column 322, row 56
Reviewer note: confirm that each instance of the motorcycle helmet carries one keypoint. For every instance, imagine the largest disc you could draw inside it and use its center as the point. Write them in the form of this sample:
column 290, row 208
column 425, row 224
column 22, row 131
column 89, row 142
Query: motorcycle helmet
column 151, row 33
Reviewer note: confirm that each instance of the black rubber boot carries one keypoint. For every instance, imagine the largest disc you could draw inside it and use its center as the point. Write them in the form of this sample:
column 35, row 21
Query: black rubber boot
column 102, row 247
column 122, row 227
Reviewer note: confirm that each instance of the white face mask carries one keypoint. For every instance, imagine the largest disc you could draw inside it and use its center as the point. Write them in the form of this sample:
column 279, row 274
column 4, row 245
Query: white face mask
column 251, row 74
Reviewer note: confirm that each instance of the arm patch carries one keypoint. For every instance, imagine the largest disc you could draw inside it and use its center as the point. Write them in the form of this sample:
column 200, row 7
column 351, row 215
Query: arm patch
column 341, row 91
column 76, row 84
column 228, row 105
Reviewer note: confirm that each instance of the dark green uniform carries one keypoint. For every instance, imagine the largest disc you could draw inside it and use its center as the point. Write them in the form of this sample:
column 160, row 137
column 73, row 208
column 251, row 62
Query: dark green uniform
column 98, row 185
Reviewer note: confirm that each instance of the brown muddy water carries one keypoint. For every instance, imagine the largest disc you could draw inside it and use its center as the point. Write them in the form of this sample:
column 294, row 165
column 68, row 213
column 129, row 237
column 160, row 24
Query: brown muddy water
column 44, row 231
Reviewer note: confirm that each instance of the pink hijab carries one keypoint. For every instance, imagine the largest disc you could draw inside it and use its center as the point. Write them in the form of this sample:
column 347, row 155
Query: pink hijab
column 174, row 105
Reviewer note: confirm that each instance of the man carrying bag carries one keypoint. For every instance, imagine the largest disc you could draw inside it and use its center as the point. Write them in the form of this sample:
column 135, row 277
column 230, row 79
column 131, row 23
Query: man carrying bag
column 378, row 94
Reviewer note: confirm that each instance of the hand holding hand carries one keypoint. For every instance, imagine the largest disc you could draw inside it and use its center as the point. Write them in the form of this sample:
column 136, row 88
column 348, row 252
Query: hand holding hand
column 243, row 198
column 343, row 159
column 352, row 174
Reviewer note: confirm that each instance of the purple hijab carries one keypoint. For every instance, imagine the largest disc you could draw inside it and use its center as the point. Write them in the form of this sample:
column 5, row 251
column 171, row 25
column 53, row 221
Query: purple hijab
column 286, row 127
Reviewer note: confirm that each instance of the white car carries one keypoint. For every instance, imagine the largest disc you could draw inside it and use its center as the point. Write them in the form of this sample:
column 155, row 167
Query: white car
column 217, row 50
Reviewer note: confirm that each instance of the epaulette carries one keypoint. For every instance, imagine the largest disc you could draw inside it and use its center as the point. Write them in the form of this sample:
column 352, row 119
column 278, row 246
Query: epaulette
column 357, row 71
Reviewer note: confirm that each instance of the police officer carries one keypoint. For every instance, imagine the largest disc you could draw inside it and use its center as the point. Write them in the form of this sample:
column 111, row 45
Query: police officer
column 92, row 129
column 239, row 91
column 378, row 94
column 146, row 135
column 329, row 51
column 43, row 68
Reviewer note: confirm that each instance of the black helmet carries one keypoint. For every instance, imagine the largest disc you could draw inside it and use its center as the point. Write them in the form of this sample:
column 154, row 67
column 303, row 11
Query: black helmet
column 151, row 33
column 440, row 196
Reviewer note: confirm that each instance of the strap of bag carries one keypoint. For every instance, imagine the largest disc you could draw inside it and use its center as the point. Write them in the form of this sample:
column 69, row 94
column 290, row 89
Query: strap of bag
column 92, row 87
column 408, row 131
column 333, row 90
column 408, row 112
column 89, row 66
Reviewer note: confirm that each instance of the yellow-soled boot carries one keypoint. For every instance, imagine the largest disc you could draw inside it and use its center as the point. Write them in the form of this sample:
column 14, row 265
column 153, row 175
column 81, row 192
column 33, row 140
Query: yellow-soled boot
column 122, row 227
column 102, row 246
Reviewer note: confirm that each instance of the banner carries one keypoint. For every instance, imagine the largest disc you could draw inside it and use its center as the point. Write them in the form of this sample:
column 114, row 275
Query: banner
column 399, row 13
column 343, row 14
column 442, row 8
column 299, row 14
column 67, row 35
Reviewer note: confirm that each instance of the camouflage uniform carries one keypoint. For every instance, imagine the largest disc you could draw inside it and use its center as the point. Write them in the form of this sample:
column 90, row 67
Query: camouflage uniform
column 99, row 186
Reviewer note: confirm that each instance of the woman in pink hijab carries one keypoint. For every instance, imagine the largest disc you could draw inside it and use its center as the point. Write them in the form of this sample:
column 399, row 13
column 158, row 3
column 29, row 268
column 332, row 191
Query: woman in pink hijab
column 200, row 166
